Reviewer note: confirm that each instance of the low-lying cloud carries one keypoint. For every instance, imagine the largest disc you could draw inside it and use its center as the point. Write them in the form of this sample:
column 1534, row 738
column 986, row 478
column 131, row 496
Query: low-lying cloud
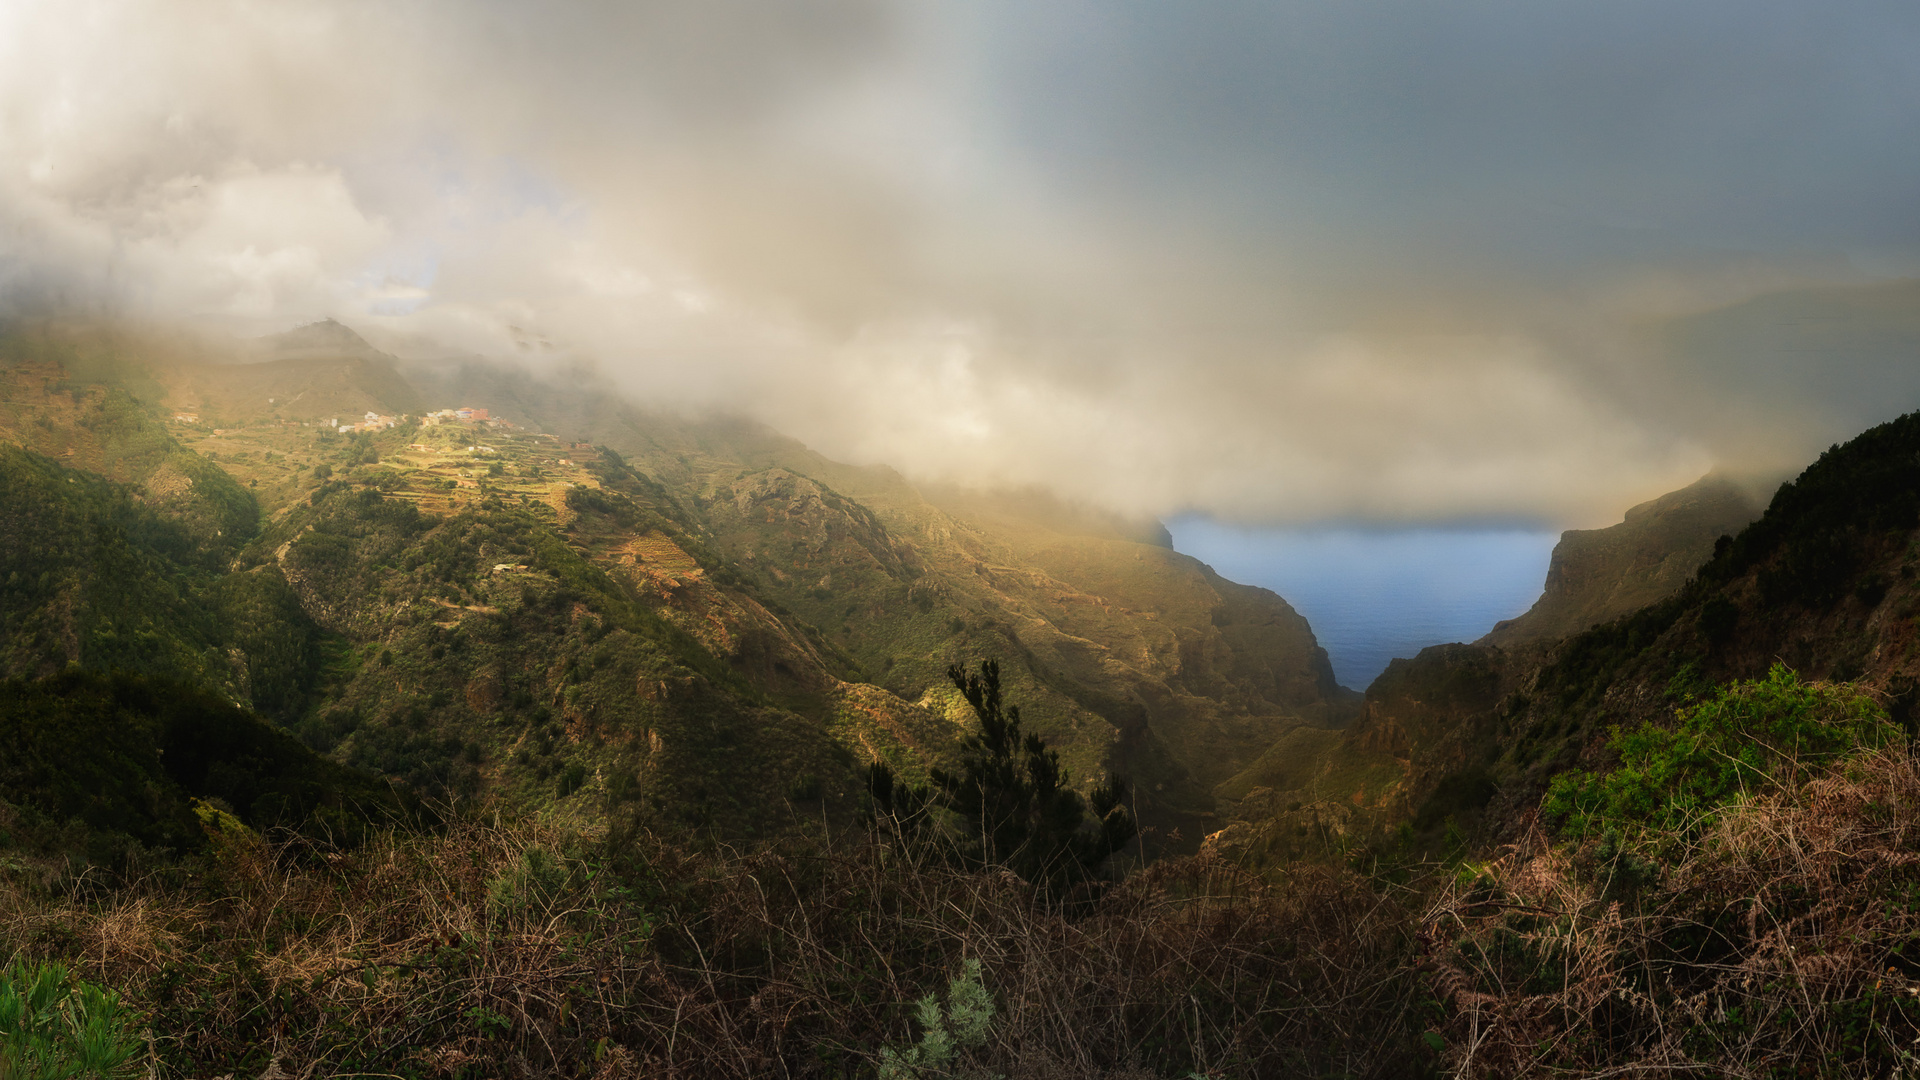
column 1278, row 262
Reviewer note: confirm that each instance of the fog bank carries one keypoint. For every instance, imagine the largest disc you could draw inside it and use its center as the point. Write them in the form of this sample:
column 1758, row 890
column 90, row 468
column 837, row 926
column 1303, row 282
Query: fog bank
column 1268, row 262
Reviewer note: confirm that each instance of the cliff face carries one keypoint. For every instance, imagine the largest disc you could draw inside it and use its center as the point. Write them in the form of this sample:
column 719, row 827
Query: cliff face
column 1601, row 574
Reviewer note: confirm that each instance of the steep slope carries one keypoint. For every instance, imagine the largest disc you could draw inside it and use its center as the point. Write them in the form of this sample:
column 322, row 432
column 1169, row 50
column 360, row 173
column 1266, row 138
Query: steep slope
column 1213, row 672
column 1416, row 752
column 1128, row 655
column 591, row 603
column 1825, row 582
column 1598, row 575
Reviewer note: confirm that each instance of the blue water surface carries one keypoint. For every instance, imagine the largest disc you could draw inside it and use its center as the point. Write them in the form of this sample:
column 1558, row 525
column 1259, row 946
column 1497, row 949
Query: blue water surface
column 1374, row 594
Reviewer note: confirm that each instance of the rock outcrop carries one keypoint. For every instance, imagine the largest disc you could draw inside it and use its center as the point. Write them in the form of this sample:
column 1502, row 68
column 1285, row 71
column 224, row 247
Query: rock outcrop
column 1601, row 574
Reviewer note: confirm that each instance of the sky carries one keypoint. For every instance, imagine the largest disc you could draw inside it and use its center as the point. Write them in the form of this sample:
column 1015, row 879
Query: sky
column 1289, row 264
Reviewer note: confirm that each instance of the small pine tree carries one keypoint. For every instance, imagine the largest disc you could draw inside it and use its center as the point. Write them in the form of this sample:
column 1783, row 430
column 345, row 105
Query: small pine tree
column 1010, row 798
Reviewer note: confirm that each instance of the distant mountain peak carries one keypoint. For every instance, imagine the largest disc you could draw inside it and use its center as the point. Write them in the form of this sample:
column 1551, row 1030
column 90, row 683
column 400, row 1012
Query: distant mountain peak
column 328, row 336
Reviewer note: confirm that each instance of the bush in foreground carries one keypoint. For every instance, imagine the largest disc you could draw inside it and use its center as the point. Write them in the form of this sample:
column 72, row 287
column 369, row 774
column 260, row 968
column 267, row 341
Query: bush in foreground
column 1746, row 738
column 1768, row 934
column 1769, row 922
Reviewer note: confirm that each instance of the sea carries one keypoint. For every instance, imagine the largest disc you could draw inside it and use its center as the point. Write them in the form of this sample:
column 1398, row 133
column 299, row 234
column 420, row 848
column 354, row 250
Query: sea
column 1375, row 594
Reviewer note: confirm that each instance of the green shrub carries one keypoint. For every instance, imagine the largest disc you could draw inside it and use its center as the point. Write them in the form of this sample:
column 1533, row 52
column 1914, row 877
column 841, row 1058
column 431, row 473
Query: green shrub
column 52, row 1026
column 962, row 1025
column 1744, row 738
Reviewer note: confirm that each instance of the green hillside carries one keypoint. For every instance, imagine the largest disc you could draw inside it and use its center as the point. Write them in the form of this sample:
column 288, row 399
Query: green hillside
column 89, row 576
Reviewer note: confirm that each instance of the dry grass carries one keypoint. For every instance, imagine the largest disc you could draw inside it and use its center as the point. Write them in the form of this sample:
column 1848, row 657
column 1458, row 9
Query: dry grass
column 518, row 951
column 1784, row 941
column 1781, row 939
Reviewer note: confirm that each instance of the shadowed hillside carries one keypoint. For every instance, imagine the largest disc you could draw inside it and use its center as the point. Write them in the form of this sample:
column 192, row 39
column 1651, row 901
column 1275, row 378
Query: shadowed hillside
column 1468, row 736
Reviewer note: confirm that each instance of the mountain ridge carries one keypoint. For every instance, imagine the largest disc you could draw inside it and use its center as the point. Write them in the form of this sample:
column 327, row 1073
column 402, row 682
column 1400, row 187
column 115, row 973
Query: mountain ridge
column 1464, row 738
column 702, row 609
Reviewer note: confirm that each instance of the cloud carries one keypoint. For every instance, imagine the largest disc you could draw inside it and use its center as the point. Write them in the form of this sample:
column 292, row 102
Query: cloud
column 1276, row 261
column 1386, row 431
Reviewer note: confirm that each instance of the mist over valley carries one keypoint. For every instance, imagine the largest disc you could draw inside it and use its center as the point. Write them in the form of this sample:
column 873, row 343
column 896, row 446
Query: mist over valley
column 865, row 539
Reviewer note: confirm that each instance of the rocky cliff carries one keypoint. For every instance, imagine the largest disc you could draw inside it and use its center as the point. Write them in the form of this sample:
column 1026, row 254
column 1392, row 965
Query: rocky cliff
column 1601, row 574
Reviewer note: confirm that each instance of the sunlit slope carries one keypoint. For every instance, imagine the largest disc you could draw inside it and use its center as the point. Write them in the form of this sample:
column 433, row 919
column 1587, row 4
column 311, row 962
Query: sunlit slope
column 531, row 621
column 1126, row 654
column 528, row 618
column 577, row 599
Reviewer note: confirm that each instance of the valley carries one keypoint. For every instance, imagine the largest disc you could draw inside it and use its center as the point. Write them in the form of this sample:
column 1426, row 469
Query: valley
column 561, row 596
column 590, row 725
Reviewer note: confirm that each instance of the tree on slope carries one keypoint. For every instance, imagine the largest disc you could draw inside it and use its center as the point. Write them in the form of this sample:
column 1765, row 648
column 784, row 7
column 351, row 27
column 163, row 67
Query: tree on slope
column 1010, row 803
